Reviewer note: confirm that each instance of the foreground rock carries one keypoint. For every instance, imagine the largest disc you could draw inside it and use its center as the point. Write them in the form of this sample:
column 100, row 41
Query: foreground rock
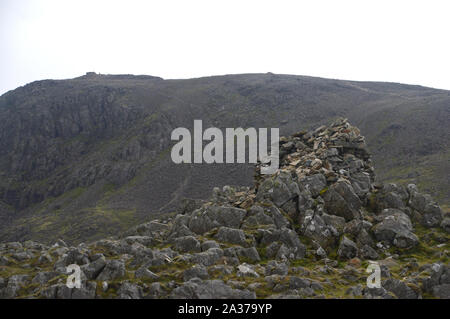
column 308, row 231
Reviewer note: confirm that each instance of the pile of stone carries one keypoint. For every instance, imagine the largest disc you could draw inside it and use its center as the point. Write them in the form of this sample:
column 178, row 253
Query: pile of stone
column 307, row 231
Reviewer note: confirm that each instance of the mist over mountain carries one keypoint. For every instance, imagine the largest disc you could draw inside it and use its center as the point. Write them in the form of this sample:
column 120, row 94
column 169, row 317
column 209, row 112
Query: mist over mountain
column 89, row 157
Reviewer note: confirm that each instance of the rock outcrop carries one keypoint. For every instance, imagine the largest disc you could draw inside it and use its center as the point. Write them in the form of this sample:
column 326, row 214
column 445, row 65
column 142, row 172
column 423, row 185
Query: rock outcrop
column 308, row 231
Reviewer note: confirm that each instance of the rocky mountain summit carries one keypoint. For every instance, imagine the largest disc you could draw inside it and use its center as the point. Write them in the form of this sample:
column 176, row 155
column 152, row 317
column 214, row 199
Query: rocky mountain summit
column 308, row 231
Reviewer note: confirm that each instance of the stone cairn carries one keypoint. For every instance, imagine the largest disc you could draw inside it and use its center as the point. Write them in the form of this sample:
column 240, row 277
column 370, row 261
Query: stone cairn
column 308, row 231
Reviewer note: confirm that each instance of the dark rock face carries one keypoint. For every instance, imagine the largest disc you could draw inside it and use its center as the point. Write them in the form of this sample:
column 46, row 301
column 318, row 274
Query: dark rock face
column 320, row 210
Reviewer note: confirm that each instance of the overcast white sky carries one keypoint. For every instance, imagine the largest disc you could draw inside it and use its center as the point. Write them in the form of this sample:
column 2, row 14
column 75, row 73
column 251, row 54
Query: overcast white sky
column 397, row 41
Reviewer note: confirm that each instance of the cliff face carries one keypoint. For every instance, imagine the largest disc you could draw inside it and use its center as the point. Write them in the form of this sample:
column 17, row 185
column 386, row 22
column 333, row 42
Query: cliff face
column 310, row 230
column 84, row 158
